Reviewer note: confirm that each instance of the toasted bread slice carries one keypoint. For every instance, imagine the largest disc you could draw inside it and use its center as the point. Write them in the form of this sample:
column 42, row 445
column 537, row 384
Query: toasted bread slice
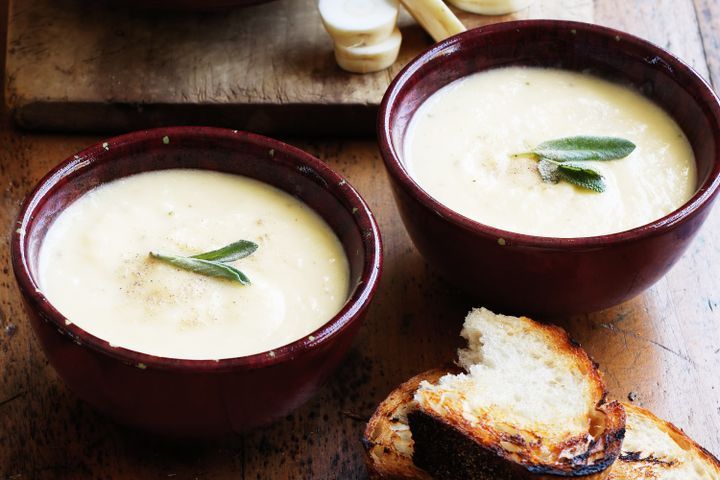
column 543, row 413
column 652, row 450
column 529, row 403
column 655, row 449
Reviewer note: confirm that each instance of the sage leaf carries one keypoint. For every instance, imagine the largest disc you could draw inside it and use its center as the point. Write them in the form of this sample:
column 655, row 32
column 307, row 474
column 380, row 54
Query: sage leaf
column 213, row 263
column 229, row 253
column 584, row 148
column 553, row 154
column 548, row 171
column 581, row 176
column 204, row 267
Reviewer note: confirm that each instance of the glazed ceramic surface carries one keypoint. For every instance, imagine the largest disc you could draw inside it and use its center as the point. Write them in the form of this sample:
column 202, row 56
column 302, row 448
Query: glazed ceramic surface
column 541, row 275
column 197, row 397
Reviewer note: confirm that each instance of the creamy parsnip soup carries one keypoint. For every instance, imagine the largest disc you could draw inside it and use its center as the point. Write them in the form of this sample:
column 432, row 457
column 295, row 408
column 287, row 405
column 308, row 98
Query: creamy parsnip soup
column 461, row 148
column 95, row 266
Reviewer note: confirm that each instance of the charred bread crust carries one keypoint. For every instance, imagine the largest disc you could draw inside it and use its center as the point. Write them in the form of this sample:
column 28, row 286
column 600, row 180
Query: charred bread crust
column 448, row 453
column 382, row 458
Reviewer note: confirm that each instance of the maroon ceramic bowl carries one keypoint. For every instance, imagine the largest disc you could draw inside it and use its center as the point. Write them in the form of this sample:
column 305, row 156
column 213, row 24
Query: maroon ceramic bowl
column 197, row 397
column 189, row 5
column 540, row 275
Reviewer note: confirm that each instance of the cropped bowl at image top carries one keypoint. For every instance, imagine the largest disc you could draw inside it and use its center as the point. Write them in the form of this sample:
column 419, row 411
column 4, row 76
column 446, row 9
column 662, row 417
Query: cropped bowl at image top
column 188, row 5
column 526, row 274
column 197, row 397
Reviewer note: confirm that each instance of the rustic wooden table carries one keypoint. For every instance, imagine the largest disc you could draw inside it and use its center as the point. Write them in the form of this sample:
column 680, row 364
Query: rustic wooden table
column 662, row 348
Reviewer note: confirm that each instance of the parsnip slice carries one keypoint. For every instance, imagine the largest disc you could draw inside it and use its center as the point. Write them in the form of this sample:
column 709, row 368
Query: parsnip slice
column 356, row 23
column 369, row 58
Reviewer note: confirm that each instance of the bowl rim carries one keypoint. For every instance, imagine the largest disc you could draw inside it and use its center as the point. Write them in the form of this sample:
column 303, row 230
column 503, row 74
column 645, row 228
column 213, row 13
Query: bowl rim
column 357, row 302
column 692, row 80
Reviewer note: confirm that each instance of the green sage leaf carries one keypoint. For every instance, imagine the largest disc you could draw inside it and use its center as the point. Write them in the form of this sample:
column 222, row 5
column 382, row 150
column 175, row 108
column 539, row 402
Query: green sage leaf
column 229, row 253
column 584, row 148
column 548, row 171
column 581, row 176
column 204, row 267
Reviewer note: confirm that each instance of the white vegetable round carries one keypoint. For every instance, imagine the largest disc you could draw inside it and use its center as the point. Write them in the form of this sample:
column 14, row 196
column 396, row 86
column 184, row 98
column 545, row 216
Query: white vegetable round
column 491, row 7
column 369, row 58
column 356, row 23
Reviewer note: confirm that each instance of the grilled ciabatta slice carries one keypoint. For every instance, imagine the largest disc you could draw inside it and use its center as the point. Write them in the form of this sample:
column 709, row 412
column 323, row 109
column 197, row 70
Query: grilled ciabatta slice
column 657, row 450
column 529, row 403
column 653, row 449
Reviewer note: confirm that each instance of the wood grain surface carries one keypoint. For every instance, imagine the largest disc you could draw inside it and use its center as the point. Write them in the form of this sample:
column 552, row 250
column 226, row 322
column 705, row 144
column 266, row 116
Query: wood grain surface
column 662, row 349
column 93, row 66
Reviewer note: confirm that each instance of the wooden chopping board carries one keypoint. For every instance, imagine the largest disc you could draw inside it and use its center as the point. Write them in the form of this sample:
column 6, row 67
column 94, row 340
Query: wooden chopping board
column 89, row 65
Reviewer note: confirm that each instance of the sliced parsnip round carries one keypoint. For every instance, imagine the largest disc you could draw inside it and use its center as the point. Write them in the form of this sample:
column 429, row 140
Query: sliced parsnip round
column 491, row 7
column 369, row 58
column 435, row 17
column 356, row 23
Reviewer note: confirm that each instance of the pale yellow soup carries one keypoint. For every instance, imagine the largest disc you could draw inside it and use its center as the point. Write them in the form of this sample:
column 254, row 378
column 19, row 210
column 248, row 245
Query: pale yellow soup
column 460, row 143
column 95, row 269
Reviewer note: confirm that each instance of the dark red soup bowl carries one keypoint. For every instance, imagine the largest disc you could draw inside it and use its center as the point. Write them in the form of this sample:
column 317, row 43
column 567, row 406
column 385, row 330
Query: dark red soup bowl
column 189, row 5
column 542, row 275
column 197, row 397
